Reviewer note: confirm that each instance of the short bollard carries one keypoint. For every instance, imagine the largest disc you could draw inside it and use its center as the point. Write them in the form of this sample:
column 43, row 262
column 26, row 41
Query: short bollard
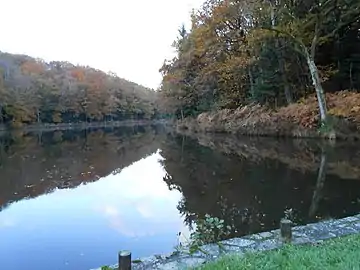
column 285, row 230
column 124, row 260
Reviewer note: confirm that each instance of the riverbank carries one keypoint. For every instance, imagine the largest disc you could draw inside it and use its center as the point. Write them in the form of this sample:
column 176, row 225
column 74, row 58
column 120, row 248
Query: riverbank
column 341, row 253
column 81, row 125
column 299, row 120
column 309, row 234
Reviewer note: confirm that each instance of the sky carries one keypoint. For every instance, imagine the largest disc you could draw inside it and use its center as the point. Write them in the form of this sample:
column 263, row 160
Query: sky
column 130, row 38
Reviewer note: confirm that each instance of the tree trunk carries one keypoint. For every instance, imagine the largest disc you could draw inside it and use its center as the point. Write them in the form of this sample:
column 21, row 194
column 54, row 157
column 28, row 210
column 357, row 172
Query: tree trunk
column 287, row 91
column 350, row 76
column 251, row 79
column 318, row 87
column 310, row 59
column 278, row 44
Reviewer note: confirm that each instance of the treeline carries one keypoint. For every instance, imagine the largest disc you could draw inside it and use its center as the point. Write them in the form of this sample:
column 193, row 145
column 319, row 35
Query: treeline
column 268, row 52
column 34, row 91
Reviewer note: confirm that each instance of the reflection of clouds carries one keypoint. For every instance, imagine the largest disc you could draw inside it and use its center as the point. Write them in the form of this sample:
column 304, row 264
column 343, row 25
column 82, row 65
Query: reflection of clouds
column 110, row 211
column 137, row 202
column 7, row 222
column 145, row 211
column 119, row 224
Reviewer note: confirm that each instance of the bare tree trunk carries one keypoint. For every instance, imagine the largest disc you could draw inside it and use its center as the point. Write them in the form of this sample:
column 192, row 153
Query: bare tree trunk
column 310, row 59
column 318, row 87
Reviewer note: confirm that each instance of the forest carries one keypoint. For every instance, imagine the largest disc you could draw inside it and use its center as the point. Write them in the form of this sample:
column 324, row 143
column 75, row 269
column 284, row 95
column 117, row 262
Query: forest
column 272, row 53
column 34, row 91
column 235, row 54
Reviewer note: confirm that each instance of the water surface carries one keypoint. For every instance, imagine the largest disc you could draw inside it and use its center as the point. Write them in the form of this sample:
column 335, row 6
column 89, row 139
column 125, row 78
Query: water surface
column 71, row 200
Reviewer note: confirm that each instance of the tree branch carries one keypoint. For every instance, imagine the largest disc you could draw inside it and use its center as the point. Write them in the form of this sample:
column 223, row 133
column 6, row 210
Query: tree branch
column 289, row 35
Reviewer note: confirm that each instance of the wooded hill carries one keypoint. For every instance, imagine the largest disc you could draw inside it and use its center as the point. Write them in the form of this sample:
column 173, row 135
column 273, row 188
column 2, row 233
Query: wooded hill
column 268, row 52
column 34, row 91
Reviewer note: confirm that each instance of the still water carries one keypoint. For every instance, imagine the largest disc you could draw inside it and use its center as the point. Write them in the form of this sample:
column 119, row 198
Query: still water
column 70, row 200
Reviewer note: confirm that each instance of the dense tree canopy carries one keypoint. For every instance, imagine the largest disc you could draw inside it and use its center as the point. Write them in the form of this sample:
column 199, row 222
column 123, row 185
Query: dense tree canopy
column 32, row 90
column 269, row 52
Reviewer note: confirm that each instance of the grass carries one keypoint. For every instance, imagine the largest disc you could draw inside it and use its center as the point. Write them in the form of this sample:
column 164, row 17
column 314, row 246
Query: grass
column 341, row 253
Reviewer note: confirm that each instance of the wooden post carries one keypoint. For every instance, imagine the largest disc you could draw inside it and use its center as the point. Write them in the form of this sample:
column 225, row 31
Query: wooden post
column 285, row 229
column 124, row 260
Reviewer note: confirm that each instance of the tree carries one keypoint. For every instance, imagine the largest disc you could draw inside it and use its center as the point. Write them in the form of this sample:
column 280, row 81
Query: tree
column 36, row 91
column 269, row 52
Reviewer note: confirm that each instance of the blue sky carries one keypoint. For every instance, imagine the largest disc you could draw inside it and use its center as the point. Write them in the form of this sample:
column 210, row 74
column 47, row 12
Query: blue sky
column 131, row 38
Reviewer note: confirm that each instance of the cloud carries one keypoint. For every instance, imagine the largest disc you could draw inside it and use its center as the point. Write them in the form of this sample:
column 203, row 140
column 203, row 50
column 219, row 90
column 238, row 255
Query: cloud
column 7, row 222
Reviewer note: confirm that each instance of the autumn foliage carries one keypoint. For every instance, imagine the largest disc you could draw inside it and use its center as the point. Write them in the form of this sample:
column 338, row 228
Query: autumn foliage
column 33, row 91
column 269, row 53
column 343, row 104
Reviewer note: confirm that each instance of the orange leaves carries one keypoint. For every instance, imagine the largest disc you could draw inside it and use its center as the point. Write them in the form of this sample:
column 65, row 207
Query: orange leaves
column 96, row 80
column 306, row 113
column 32, row 67
column 93, row 78
column 78, row 74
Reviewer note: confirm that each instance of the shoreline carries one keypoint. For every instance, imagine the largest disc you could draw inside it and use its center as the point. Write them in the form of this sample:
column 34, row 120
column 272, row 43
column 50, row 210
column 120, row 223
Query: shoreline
column 312, row 233
column 297, row 120
column 266, row 123
column 82, row 125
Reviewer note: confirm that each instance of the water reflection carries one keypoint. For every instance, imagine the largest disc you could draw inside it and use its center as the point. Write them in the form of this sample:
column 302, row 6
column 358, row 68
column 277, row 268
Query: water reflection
column 72, row 204
column 84, row 227
column 71, row 200
column 251, row 183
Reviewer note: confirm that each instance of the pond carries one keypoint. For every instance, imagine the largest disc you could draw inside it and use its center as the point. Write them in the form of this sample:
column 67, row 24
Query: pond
column 72, row 199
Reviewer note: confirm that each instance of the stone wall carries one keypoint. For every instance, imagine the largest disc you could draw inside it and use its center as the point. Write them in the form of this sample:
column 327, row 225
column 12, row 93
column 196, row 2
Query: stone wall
column 311, row 233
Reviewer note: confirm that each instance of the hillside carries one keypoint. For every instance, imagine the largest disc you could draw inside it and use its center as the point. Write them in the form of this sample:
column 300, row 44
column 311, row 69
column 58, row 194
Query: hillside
column 35, row 91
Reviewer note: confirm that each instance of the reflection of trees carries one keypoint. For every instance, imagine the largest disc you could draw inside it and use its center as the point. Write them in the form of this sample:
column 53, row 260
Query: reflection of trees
column 249, row 193
column 343, row 158
column 320, row 182
column 29, row 167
